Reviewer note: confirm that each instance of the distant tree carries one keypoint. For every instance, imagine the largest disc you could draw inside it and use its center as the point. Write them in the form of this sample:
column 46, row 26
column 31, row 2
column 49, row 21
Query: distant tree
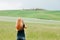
column 39, row 9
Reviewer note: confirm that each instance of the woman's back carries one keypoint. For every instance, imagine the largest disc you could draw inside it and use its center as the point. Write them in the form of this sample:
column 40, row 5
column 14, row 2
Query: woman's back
column 20, row 29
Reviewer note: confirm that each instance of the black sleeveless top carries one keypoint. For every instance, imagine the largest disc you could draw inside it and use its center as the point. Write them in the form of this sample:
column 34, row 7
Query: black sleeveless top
column 21, row 33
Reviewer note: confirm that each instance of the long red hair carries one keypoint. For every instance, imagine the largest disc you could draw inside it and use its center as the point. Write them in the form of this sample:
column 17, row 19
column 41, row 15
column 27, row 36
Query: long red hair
column 19, row 24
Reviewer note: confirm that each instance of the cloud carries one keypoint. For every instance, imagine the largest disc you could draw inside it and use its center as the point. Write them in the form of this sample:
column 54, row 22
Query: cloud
column 19, row 4
column 10, row 5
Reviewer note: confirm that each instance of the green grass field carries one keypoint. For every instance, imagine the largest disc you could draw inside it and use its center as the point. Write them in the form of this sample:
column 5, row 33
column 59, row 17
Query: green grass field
column 35, row 31
column 50, row 15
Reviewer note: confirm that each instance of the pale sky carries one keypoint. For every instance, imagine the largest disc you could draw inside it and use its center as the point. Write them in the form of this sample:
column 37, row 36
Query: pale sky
column 19, row 4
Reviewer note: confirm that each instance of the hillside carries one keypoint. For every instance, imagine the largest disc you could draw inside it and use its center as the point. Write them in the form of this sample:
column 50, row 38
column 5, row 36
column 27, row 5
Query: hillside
column 50, row 15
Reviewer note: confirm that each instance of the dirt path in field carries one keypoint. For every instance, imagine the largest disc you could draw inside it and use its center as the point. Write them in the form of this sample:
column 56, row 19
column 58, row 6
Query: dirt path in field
column 30, row 20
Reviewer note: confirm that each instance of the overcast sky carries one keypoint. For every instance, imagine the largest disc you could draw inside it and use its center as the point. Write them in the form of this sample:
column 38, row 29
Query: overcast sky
column 19, row 4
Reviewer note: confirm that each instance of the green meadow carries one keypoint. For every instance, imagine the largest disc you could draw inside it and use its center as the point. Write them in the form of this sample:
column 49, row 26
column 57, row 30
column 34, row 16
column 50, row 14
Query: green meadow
column 34, row 31
column 40, row 14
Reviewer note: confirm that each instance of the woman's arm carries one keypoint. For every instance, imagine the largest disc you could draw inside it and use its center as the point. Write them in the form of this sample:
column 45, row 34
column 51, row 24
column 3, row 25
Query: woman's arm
column 24, row 25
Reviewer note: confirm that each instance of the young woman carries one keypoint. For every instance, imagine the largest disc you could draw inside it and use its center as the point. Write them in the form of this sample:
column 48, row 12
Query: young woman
column 20, row 29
